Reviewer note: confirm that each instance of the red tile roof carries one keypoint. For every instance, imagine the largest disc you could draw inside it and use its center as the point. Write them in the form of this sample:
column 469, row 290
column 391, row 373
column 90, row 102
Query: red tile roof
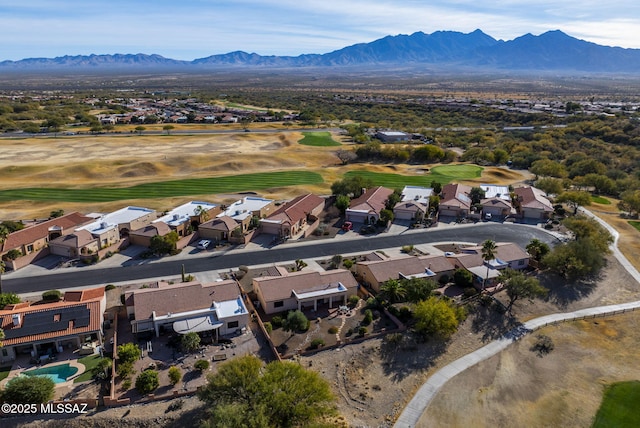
column 297, row 209
column 31, row 234
column 223, row 223
column 373, row 199
column 281, row 287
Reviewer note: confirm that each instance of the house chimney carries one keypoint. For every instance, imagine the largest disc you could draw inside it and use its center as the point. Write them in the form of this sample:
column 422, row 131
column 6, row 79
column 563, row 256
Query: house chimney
column 16, row 320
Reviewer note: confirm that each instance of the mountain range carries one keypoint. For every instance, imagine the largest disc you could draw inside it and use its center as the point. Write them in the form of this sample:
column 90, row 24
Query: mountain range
column 550, row 51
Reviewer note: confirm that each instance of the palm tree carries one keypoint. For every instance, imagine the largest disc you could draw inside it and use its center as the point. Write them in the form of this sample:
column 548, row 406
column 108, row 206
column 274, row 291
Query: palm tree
column 393, row 291
column 488, row 254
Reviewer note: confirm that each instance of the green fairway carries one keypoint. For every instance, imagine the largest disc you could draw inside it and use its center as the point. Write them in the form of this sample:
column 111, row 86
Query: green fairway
column 318, row 139
column 600, row 200
column 635, row 224
column 442, row 174
column 167, row 189
column 619, row 406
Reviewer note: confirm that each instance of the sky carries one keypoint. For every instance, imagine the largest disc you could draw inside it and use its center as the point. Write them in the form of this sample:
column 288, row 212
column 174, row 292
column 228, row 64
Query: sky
column 190, row 29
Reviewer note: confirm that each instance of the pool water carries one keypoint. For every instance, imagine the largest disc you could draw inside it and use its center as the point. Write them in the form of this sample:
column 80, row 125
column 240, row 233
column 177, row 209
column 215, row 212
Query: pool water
column 58, row 374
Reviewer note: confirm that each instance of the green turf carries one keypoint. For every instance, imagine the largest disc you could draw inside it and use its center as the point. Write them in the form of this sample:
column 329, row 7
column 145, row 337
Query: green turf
column 442, row 174
column 167, row 189
column 635, row 224
column 89, row 363
column 4, row 372
column 600, row 200
column 318, row 139
column 619, row 406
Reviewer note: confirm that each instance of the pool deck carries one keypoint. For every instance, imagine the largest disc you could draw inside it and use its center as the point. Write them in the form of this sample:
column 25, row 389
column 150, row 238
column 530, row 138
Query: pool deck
column 22, row 364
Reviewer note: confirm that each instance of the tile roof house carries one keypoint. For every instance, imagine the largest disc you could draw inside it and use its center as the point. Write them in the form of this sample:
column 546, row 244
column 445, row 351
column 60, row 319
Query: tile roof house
column 248, row 207
column 143, row 235
column 292, row 217
column 454, row 201
column 32, row 239
column 188, row 216
column 532, row 203
column 375, row 273
column 507, row 255
column 414, row 203
column 219, row 229
column 43, row 329
column 496, row 201
column 188, row 307
column 366, row 208
column 109, row 228
column 300, row 290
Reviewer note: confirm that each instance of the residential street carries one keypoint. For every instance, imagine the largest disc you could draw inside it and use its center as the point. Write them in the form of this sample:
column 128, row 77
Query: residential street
column 171, row 266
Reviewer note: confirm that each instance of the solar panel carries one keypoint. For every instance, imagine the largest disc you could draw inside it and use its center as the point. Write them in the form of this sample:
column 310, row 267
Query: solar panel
column 45, row 321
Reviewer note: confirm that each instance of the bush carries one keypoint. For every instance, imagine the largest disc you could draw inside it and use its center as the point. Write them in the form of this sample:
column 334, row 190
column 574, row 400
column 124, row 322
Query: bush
column 469, row 292
column 368, row 317
column 316, row 343
column 405, row 314
column 128, row 353
column 444, row 279
column 126, row 384
column 243, row 268
column 29, row 390
column 347, row 263
column 362, row 331
column 12, row 255
column 296, row 321
column 201, row 365
column 268, row 327
column 353, row 301
column 190, row 342
column 176, row 405
column 124, row 370
column 333, row 330
column 109, row 287
column 174, row 375
column 543, row 345
column 147, row 381
column 407, row 249
column 276, row 321
column 52, row 296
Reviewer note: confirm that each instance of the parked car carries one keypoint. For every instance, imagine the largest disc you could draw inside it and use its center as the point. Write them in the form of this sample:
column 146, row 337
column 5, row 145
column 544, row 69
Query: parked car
column 347, row 225
column 203, row 244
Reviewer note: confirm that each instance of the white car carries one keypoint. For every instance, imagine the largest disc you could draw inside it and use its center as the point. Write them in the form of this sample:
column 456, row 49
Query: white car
column 203, row 244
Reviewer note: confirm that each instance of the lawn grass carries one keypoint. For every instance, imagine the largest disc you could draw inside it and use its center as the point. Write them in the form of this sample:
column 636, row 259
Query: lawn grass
column 167, row 189
column 442, row 174
column 600, row 200
column 635, row 224
column 318, row 139
column 619, row 406
column 4, row 372
column 89, row 363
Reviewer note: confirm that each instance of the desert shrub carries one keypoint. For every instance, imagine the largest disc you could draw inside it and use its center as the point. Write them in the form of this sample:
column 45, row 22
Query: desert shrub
column 176, row 405
column 174, row 375
column 276, row 322
column 124, row 370
column 347, row 263
column 52, row 296
column 394, row 339
column 548, row 226
column 243, row 268
column 147, row 381
column 12, row 255
column 126, row 384
column 543, row 345
column 362, row 331
column 407, row 249
column 368, row 317
column 190, row 342
column 353, row 301
column 268, row 327
column 109, row 287
column 405, row 314
column 296, row 321
column 128, row 353
column 469, row 292
column 201, row 365
column 316, row 343
column 333, row 330
column 29, row 389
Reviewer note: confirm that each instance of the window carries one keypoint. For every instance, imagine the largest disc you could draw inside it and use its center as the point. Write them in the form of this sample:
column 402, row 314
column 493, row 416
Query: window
column 29, row 248
column 520, row 262
column 232, row 324
column 56, row 317
column 278, row 304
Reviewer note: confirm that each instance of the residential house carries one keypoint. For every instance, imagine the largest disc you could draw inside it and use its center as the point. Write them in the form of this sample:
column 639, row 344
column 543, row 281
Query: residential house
column 532, row 204
column 293, row 217
column 143, row 235
column 45, row 329
column 216, row 308
column 414, row 203
column 219, row 229
column 80, row 243
column 245, row 209
column 366, row 208
column 496, row 202
column 507, row 255
column 188, row 216
column 34, row 238
column 110, row 228
column 455, row 201
column 303, row 290
column 392, row 136
column 374, row 273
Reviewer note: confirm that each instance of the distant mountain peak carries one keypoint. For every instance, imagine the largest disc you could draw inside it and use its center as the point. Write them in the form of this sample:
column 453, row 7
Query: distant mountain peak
column 552, row 50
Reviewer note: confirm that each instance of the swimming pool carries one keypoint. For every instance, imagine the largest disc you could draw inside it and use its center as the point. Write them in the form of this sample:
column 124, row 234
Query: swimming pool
column 58, row 374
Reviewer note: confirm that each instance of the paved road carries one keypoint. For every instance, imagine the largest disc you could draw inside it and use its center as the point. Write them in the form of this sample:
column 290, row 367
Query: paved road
column 412, row 413
column 82, row 277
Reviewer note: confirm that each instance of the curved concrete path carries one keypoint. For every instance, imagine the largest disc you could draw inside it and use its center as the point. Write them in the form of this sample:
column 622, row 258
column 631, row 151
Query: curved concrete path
column 420, row 401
